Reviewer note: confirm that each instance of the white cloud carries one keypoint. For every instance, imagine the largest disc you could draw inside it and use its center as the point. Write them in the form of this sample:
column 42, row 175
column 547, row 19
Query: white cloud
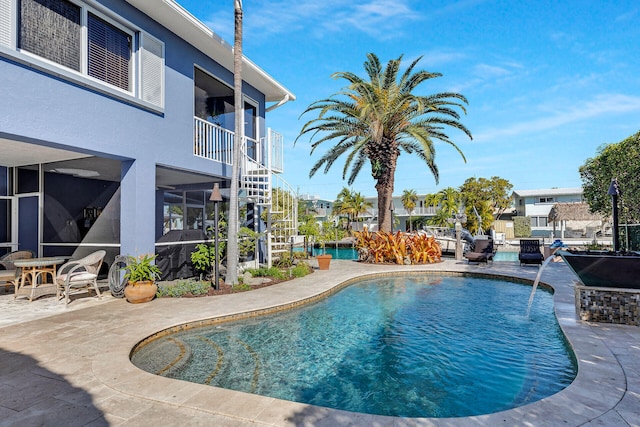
column 598, row 106
column 378, row 18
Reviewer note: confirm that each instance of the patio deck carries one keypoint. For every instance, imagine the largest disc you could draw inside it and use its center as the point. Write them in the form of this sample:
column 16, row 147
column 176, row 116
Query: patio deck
column 71, row 366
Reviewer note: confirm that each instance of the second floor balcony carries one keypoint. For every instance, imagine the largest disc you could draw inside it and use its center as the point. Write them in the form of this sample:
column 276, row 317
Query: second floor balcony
column 216, row 143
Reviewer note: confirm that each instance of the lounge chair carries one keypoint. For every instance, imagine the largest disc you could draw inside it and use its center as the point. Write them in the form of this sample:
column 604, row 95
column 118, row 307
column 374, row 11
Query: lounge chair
column 79, row 276
column 8, row 271
column 530, row 252
column 483, row 251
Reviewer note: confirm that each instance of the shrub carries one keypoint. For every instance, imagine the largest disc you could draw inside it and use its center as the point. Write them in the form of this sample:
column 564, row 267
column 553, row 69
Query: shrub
column 274, row 272
column 521, row 226
column 182, row 288
column 241, row 287
column 285, row 260
column 399, row 248
column 301, row 270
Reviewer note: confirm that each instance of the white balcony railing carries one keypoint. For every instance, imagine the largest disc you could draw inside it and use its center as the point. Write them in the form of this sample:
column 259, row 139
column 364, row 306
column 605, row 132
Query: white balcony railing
column 212, row 141
column 215, row 143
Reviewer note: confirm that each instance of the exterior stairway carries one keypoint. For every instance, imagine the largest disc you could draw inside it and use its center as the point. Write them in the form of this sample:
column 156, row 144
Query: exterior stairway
column 261, row 184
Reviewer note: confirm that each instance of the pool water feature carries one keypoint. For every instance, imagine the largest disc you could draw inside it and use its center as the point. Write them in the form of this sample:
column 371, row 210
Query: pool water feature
column 414, row 346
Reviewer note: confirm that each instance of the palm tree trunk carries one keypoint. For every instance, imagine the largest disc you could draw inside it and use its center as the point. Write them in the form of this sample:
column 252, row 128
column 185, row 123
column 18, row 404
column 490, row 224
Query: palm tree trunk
column 233, row 225
column 384, row 186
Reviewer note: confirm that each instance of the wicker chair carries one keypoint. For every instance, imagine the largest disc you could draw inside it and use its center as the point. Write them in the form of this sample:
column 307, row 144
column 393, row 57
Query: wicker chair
column 530, row 252
column 79, row 276
column 8, row 272
column 483, row 251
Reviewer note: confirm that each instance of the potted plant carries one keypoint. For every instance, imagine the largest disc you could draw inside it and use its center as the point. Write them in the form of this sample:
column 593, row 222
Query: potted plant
column 141, row 274
column 326, row 232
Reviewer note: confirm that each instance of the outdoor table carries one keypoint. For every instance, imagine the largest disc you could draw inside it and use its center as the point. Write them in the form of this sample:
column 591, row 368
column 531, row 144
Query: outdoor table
column 33, row 278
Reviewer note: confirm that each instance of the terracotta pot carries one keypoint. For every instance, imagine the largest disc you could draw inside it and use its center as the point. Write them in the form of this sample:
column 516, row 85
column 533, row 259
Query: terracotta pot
column 323, row 262
column 137, row 292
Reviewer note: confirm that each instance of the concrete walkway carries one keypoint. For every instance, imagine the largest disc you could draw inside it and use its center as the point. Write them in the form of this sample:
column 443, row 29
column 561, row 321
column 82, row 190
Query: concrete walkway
column 70, row 367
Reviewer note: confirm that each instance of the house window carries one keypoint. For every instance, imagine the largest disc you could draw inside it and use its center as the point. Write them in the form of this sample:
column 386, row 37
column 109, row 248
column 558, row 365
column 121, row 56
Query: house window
column 539, row 221
column 545, row 200
column 109, row 53
column 85, row 43
column 51, row 29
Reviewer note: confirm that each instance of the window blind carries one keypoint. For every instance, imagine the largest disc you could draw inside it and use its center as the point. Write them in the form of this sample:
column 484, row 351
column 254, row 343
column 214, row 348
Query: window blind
column 109, row 55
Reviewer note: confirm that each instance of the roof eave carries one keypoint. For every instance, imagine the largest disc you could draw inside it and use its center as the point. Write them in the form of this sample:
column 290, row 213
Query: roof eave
column 188, row 27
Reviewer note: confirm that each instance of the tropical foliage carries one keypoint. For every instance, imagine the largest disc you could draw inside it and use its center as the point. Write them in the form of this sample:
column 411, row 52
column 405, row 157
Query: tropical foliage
column 398, row 248
column 351, row 204
column 622, row 162
column 372, row 121
column 447, row 201
column 408, row 200
column 488, row 197
column 142, row 269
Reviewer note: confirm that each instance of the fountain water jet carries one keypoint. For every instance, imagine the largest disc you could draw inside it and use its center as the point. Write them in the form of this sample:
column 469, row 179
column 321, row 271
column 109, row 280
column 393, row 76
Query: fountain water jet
column 535, row 283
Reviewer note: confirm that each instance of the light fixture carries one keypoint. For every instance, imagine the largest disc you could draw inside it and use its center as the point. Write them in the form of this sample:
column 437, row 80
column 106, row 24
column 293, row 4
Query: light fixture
column 81, row 173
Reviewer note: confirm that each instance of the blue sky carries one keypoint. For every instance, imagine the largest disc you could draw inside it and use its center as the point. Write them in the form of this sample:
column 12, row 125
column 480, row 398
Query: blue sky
column 548, row 82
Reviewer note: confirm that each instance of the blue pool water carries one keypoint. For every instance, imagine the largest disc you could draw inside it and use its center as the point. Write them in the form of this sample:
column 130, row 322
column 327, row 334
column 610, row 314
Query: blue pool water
column 415, row 346
column 505, row 256
column 337, row 253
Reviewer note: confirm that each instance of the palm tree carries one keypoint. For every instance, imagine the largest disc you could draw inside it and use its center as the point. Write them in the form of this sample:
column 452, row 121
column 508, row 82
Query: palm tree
column 375, row 120
column 409, row 199
column 447, row 201
column 233, row 227
column 350, row 204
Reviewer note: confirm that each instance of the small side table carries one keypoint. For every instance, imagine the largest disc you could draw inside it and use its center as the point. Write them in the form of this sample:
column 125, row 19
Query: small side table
column 33, row 278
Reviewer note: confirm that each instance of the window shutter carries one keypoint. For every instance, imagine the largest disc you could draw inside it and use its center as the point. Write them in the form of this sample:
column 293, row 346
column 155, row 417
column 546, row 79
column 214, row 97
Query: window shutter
column 151, row 70
column 6, row 19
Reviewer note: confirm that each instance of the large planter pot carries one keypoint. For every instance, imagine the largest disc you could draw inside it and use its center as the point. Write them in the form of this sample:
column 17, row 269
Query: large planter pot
column 323, row 262
column 137, row 292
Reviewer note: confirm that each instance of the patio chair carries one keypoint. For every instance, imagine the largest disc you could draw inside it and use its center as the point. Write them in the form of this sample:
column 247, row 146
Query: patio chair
column 530, row 252
column 8, row 271
column 79, row 276
column 483, row 251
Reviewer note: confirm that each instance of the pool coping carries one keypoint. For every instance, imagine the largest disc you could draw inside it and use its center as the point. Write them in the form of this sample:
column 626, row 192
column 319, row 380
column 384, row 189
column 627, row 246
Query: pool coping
column 599, row 386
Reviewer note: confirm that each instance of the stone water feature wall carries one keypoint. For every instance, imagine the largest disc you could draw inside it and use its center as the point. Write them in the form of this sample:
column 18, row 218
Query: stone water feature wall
column 608, row 305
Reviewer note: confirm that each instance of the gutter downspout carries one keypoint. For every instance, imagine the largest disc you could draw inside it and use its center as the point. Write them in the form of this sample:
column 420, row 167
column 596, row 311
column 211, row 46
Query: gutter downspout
column 279, row 104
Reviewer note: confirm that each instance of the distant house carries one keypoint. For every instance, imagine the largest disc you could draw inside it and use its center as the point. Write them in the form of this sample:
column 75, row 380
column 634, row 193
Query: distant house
column 315, row 205
column 537, row 204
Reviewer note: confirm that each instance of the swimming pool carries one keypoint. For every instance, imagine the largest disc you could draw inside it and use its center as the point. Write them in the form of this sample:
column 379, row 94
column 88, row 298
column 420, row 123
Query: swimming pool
column 415, row 346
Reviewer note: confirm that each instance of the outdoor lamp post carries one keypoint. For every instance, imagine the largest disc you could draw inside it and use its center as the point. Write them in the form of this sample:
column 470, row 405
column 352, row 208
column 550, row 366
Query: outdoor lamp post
column 216, row 197
column 614, row 192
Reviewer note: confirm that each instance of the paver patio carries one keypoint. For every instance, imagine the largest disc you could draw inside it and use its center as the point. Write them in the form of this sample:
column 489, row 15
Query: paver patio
column 70, row 367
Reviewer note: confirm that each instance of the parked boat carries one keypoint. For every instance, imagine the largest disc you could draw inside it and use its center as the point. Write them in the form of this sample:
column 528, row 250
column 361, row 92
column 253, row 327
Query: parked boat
column 608, row 269
column 446, row 238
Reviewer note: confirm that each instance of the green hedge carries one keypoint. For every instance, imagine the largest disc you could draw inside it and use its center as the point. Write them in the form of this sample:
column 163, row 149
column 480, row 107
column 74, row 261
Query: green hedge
column 522, row 226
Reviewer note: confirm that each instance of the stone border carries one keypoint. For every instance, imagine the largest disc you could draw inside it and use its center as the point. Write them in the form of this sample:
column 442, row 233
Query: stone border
column 599, row 386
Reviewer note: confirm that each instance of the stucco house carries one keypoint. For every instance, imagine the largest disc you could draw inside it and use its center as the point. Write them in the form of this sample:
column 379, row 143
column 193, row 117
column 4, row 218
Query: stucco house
column 116, row 120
